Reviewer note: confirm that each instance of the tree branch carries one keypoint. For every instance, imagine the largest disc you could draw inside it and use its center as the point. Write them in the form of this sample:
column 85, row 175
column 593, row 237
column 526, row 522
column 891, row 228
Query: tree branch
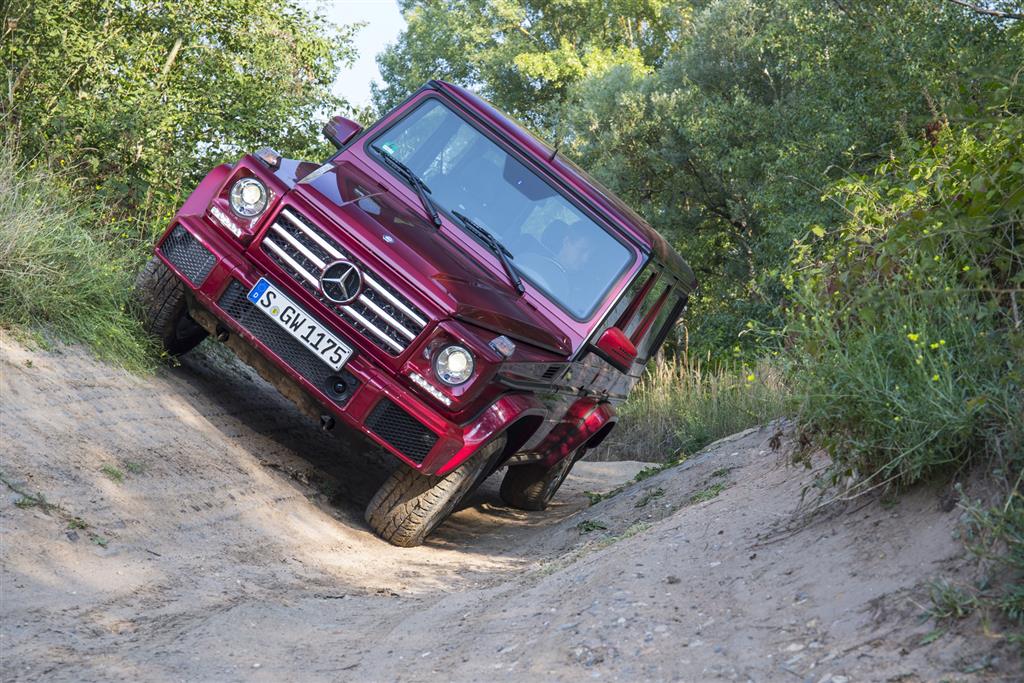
column 988, row 12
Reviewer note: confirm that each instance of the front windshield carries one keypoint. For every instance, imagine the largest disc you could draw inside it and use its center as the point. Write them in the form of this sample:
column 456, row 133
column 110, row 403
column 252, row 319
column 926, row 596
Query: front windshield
column 553, row 244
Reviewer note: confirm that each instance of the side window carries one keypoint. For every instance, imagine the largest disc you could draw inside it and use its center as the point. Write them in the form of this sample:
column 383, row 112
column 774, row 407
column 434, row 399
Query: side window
column 626, row 308
column 648, row 311
column 639, row 327
column 666, row 319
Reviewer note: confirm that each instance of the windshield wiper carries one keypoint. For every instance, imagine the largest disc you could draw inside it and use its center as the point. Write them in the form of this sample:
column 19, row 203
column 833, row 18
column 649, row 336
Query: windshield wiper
column 417, row 183
column 494, row 245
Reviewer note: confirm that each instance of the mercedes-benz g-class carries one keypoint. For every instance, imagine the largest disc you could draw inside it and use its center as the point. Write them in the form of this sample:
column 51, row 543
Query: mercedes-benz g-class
column 446, row 284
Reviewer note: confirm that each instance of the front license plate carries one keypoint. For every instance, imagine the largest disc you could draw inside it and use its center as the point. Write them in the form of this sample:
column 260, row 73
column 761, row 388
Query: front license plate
column 299, row 324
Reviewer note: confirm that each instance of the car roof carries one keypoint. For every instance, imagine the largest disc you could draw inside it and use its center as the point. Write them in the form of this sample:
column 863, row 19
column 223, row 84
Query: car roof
column 576, row 178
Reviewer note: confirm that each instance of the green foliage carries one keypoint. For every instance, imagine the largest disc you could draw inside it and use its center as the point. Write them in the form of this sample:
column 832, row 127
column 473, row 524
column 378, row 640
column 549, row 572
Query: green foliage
column 950, row 602
column 728, row 146
column 681, row 405
column 722, row 122
column 524, row 54
column 142, row 98
column 995, row 533
column 58, row 266
column 708, row 493
column 905, row 330
column 132, row 103
column 906, row 317
column 113, row 473
column 588, row 525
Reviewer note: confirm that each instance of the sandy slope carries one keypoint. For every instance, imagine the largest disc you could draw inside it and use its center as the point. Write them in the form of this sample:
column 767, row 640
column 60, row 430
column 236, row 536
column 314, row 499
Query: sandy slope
column 236, row 550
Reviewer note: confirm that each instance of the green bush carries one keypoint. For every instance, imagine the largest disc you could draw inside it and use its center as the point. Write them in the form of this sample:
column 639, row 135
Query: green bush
column 143, row 98
column 58, row 272
column 905, row 330
column 133, row 103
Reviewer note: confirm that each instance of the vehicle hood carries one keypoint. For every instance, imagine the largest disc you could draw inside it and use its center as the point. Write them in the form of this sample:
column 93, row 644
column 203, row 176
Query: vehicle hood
column 466, row 289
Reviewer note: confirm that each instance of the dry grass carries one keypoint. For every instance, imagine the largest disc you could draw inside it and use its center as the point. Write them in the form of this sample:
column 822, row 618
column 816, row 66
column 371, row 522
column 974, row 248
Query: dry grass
column 62, row 274
column 684, row 404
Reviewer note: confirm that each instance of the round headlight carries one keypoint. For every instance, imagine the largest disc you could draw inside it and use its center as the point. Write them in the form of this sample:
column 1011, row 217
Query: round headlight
column 248, row 197
column 453, row 365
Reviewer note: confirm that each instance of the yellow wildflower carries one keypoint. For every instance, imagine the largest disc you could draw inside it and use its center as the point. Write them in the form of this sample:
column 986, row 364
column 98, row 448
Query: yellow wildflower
column 913, row 337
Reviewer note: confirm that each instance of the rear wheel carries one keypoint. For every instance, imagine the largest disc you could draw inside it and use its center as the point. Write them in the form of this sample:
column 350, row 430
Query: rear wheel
column 161, row 302
column 410, row 505
column 531, row 487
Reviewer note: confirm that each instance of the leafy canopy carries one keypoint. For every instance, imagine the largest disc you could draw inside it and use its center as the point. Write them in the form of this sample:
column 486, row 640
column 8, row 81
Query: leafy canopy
column 143, row 97
column 723, row 122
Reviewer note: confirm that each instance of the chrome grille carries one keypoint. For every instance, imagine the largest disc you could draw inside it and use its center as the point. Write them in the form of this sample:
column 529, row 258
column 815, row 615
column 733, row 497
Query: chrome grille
column 381, row 314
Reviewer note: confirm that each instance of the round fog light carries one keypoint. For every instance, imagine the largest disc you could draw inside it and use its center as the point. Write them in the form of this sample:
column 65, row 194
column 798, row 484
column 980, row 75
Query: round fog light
column 453, row 365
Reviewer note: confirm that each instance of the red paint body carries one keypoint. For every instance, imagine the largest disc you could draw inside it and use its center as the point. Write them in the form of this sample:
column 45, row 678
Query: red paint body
column 554, row 394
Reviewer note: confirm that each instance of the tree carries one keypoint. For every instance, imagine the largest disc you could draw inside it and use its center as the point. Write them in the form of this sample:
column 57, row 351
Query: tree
column 142, row 97
column 723, row 126
column 524, row 54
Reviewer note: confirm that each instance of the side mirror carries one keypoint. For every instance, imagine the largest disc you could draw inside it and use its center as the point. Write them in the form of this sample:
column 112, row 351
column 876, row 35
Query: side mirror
column 340, row 130
column 615, row 347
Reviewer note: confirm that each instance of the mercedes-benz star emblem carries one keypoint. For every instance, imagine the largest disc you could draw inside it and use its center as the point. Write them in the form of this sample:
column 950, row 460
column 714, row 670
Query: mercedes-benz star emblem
column 341, row 282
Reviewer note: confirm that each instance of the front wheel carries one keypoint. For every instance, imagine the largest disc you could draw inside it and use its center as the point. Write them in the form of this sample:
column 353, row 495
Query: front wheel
column 410, row 505
column 531, row 487
column 161, row 303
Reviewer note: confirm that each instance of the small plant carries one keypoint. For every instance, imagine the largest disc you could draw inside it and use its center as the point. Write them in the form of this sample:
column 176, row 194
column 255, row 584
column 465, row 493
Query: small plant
column 595, row 497
column 29, row 500
column 722, row 471
column 113, row 473
column 77, row 523
column 647, row 473
column 649, row 496
column 630, row 531
column 633, row 530
column 135, row 467
column 588, row 525
column 950, row 602
column 708, row 493
column 99, row 540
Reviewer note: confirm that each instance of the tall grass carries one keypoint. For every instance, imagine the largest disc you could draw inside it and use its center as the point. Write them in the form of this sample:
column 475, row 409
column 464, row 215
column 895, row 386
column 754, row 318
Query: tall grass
column 60, row 277
column 681, row 405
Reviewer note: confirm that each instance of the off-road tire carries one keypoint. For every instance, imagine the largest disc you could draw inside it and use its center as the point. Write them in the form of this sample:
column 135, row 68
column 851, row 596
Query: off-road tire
column 410, row 505
column 160, row 301
column 531, row 487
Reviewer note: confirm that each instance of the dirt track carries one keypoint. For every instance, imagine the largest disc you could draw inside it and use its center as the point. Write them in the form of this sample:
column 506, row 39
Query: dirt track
column 234, row 548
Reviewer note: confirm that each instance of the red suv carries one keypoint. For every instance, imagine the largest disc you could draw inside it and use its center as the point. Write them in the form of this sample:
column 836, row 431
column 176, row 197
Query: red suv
column 446, row 284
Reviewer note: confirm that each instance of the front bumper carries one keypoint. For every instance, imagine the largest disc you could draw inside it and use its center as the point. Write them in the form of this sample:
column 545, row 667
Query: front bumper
column 363, row 395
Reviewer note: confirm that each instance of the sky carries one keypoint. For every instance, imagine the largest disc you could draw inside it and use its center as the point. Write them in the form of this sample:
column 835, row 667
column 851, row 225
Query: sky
column 383, row 24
